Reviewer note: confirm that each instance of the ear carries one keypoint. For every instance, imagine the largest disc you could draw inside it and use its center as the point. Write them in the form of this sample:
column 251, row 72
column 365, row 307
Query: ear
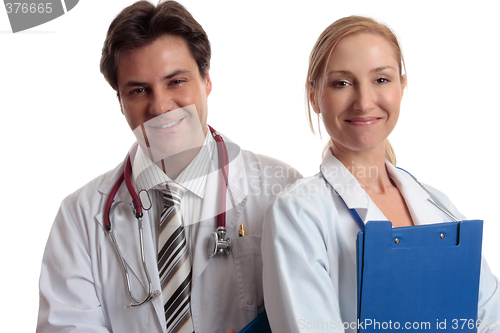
column 403, row 83
column 312, row 98
column 208, row 83
column 120, row 102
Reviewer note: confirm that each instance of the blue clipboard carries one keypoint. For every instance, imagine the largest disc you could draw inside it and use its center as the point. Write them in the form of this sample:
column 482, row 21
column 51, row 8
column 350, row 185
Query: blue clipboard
column 425, row 276
column 259, row 325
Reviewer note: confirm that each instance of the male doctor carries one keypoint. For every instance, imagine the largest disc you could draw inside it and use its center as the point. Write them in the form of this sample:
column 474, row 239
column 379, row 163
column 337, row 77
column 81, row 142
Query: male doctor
column 157, row 58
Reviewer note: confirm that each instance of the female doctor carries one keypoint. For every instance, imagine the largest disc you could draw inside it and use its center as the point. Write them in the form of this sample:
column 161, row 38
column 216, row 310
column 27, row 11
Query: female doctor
column 355, row 85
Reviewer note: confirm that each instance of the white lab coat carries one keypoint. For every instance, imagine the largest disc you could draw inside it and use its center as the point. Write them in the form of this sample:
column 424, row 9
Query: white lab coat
column 82, row 285
column 309, row 250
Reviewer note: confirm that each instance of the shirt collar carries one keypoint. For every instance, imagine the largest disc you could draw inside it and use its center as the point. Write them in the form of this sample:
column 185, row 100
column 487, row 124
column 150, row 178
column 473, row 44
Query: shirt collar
column 355, row 197
column 421, row 210
column 343, row 182
column 148, row 175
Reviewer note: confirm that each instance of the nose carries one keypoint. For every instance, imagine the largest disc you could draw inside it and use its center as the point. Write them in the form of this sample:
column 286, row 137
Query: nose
column 364, row 99
column 161, row 102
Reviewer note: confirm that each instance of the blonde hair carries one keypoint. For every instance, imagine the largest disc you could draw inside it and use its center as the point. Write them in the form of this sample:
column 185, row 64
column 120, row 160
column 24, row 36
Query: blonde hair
column 322, row 50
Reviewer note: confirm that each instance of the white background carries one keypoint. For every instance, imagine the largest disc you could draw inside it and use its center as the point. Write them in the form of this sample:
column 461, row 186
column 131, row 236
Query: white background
column 61, row 124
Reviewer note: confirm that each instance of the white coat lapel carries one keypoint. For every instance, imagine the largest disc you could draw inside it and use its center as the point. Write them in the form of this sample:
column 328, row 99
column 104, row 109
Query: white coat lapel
column 349, row 189
column 236, row 195
column 237, row 192
column 417, row 199
column 125, row 228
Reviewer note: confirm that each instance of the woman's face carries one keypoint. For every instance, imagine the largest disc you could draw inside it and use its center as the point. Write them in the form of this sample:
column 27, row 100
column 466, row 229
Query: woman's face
column 359, row 94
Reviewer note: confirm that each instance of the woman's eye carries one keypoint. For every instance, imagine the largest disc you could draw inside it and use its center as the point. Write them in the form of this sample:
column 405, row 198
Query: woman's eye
column 340, row 84
column 382, row 80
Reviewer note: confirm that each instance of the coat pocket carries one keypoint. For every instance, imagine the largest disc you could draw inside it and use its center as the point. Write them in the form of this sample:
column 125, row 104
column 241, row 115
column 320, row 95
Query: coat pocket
column 248, row 269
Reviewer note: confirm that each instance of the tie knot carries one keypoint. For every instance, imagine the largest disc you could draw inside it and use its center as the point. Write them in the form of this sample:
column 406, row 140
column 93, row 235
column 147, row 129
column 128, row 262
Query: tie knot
column 172, row 194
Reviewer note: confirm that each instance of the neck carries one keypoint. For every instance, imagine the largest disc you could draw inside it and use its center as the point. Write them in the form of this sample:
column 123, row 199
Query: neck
column 175, row 164
column 368, row 167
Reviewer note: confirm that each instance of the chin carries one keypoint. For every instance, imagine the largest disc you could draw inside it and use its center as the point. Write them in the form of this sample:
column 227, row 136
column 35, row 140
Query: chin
column 367, row 146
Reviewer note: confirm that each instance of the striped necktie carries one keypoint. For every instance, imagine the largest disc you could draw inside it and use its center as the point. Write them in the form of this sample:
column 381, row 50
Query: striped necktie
column 174, row 266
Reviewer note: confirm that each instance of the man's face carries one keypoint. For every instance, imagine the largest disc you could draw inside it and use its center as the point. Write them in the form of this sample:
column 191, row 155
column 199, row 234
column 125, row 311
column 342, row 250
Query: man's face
column 163, row 96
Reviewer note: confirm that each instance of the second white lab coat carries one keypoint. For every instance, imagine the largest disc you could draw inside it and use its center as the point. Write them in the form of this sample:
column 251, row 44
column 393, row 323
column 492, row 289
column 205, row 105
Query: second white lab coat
column 309, row 247
column 82, row 285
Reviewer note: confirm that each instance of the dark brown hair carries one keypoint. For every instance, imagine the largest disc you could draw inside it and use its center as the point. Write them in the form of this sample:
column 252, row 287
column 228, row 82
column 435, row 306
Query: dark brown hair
column 143, row 23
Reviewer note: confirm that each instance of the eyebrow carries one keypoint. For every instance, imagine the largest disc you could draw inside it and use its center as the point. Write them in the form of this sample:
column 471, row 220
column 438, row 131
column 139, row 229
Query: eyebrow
column 375, row 70
column 381, row 69
column 166, row 77
column 175, row 73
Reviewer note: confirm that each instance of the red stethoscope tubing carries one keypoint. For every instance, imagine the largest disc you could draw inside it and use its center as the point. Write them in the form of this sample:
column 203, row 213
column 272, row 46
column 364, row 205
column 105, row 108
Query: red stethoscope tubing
column 126, row 176
column 224, row 166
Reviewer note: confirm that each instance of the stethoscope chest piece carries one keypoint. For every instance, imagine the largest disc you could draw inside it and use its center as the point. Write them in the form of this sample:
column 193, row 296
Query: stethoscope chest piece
column 218, row 243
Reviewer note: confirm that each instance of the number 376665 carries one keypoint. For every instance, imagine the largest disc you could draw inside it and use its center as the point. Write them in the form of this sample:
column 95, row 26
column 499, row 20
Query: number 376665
column 25, row 8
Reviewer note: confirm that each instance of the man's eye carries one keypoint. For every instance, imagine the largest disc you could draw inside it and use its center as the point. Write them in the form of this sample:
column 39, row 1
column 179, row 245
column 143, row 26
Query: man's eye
column 137, row 91
column 175, row 82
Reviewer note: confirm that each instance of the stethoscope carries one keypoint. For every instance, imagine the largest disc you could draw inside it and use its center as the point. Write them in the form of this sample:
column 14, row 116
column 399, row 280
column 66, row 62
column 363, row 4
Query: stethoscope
column 432, row 200
column 217, row 242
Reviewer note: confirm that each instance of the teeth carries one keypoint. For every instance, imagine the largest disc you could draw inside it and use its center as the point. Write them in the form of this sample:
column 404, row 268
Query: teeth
column 169, row 125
